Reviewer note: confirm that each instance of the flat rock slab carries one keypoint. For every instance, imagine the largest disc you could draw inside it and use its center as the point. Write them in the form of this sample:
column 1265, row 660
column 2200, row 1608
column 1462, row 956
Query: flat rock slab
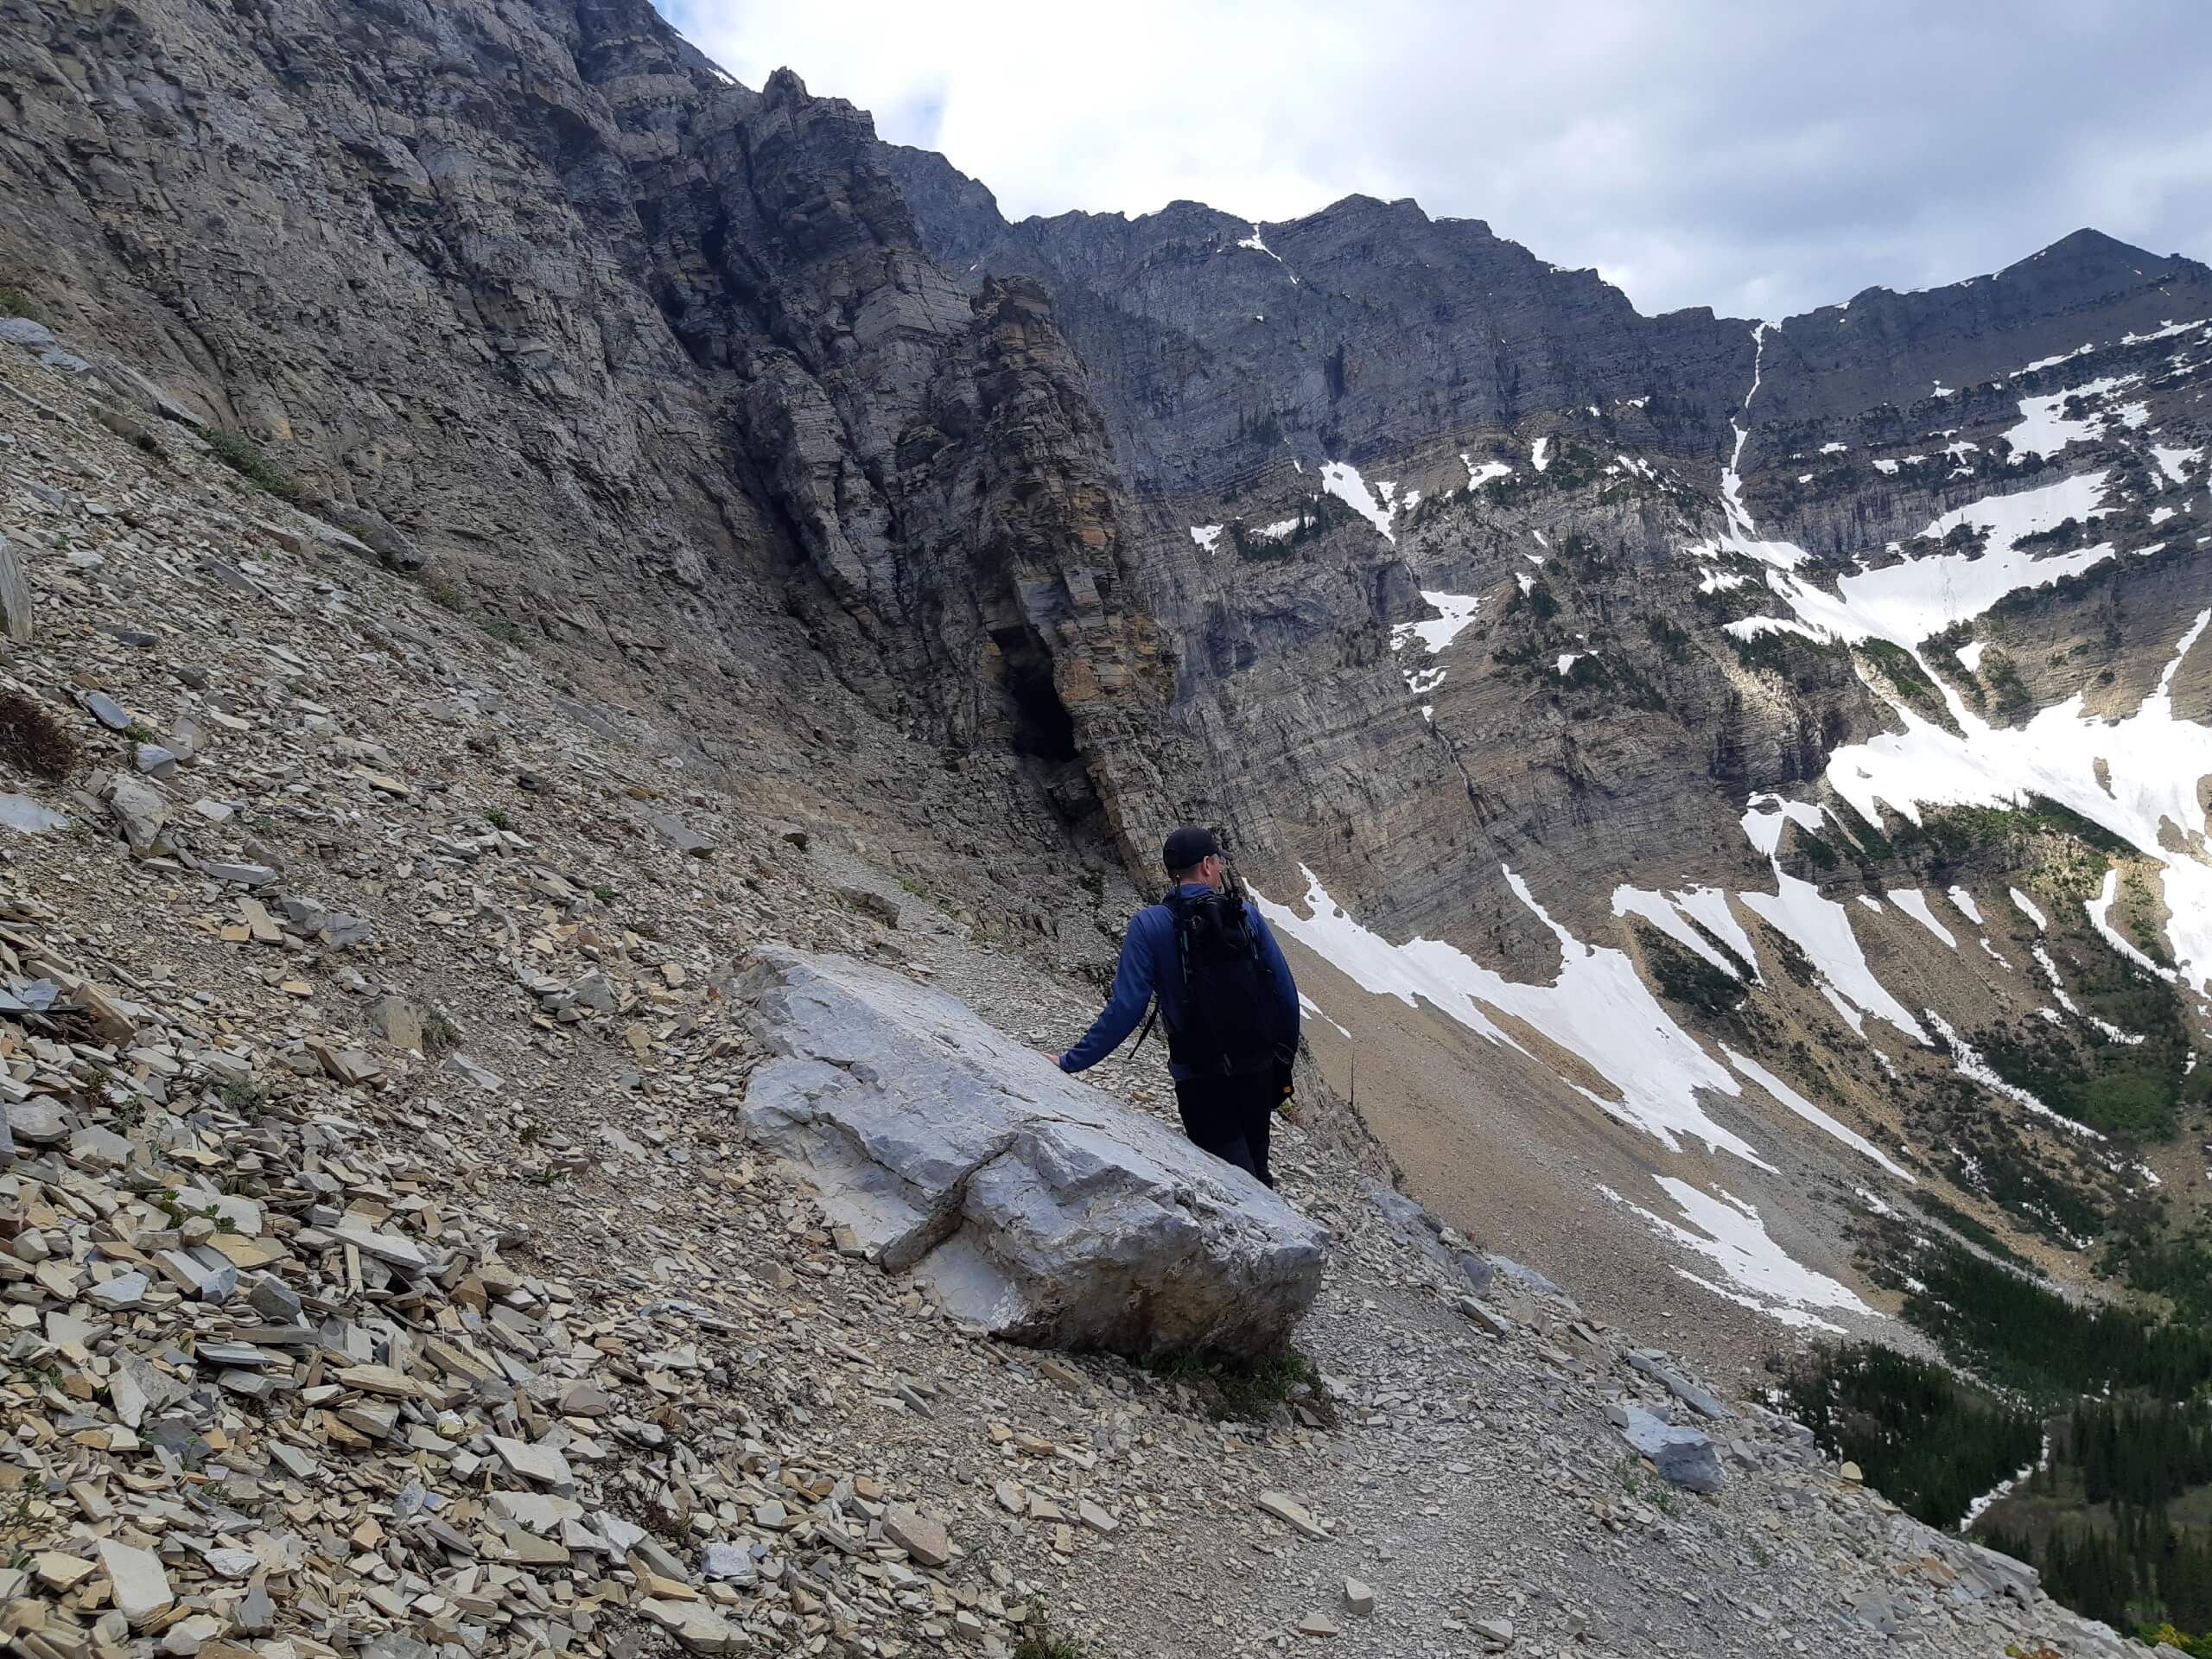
column 1700, row 1400
column 922, row 1537
column 139, row 1583
column 698, row 1626
column 1029, row 1202
column 1684, row 1456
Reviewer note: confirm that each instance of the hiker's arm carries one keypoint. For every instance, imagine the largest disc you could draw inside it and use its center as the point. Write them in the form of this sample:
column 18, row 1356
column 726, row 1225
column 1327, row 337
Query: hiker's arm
column 1286, row 986
column 1132, row 990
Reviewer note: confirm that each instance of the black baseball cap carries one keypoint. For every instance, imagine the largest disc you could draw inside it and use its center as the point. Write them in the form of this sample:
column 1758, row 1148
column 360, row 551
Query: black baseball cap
column 1187, row 847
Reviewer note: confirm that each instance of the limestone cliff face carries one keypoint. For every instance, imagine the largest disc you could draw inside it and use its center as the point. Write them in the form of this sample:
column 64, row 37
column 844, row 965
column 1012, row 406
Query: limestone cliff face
column 649, row 363
column 1235, row 362
column 1217, row 346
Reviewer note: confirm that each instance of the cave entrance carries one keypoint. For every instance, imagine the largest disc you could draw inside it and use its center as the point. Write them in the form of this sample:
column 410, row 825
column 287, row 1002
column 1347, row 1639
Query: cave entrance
column 1043, row 728
column 1041, row 733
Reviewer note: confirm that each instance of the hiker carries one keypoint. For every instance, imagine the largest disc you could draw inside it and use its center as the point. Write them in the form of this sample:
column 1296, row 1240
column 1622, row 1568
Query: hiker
column 1225, row 994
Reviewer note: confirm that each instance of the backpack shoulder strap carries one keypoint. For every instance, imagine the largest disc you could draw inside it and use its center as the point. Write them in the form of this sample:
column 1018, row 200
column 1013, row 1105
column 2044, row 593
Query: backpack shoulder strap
column 1148, row 1020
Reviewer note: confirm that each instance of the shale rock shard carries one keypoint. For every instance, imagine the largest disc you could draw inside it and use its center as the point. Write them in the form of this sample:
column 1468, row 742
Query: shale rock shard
column 1029, row 1202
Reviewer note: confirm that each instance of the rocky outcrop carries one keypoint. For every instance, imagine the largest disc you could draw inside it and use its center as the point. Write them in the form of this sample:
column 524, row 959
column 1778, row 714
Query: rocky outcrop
column 645, row 368
column 1030, row 1203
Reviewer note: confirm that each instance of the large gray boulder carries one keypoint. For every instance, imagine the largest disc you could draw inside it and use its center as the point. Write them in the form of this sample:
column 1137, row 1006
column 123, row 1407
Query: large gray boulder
column 1029, row 1202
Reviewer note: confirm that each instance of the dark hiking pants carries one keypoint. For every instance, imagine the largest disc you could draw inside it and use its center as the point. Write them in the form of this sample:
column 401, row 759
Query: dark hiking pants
column 1229, row 1117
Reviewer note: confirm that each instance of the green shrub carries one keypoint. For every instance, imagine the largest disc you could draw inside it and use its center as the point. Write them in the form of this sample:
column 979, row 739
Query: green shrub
column 440, row 1035
column 1039, row 1640
column 15, row 302
column 1246, row 1391
column 1674, row 642
column 1686, row 977
column 243, row 456
column 241, row 1096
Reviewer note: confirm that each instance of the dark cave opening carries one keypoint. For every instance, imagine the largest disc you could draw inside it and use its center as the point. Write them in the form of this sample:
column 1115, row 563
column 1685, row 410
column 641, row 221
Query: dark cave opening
column 1043, row 728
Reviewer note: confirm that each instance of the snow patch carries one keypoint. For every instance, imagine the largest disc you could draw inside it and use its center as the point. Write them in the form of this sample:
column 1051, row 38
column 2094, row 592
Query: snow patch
column 1730, row 1234
column 2099, row 909
column 1342, row 479
column 2174, row 462
column 2045, row 429
column 1665, row 914
column 1818, row 925
column 1599, row 1008
column 2136, row 776
column 1914, row 903
column 1967, row 1061
column 1455, row 612
column 1208, row 536
column 1812, row 1114
column 1481, row 473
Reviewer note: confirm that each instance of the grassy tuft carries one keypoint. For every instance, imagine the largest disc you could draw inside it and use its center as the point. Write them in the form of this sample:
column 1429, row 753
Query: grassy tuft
column 243, row 456
column 441, row 1037
column 1039, row 1640
column 1244, row 1390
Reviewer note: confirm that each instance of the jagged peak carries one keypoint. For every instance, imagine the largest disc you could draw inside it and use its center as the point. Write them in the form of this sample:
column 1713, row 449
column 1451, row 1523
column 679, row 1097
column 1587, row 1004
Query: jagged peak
column 2087, row 244
column 784, row 85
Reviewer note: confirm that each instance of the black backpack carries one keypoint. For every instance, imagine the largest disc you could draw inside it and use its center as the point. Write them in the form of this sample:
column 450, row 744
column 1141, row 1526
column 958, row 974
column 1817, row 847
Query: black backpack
column 1232, row 1015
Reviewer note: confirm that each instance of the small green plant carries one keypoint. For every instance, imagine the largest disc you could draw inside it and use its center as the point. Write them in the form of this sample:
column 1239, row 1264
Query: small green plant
column 1245, row 1390
column 440, row 1035
column 32, row 740
column 1040, row 1641
column 605, row 894
column 498, row 818
column 549, row 1176
column 531, row 1133
column 241, row 1096
column 139, row 732
column 444, row 593
column 502, row 629
column 15, row 302
column 1646, row 1488
column 243, row 456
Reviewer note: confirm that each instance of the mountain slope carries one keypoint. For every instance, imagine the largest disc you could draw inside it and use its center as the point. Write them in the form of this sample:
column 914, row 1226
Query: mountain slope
column 1646, row 689
column 1554, row 633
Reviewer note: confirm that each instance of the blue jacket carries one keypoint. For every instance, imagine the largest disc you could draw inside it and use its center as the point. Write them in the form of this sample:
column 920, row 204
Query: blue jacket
column 1149, row 964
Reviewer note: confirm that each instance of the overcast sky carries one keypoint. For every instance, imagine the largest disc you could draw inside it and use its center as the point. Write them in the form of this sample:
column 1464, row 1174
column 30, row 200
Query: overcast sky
column 1761, row 157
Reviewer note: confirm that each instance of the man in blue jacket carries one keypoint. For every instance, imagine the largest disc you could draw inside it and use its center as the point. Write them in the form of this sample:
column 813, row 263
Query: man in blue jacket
column 1229, row 1049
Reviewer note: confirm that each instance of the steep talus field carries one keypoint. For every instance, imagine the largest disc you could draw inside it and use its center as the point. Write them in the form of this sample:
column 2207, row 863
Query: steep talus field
column 1734, row 790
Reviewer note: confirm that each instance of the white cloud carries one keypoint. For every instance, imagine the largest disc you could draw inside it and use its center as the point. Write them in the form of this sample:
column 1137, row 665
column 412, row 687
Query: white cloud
column 1755, row 157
